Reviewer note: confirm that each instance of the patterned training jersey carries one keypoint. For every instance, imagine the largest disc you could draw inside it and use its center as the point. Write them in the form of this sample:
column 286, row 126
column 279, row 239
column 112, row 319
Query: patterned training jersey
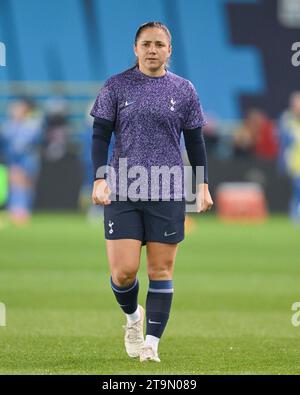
column 148, row 114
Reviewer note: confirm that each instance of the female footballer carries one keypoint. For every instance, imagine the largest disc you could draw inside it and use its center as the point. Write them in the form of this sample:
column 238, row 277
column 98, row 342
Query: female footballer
column 147, row 107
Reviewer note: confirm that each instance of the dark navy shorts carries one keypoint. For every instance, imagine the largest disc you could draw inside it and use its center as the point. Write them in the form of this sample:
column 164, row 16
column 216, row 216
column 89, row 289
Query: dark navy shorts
column 159, row 221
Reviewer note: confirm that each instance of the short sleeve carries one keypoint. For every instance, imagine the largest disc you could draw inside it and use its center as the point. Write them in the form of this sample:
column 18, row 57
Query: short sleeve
column 194, row 117
column 106, row 103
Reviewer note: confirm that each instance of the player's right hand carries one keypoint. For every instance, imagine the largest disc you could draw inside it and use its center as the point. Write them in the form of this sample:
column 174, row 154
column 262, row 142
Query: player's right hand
column 101, row 193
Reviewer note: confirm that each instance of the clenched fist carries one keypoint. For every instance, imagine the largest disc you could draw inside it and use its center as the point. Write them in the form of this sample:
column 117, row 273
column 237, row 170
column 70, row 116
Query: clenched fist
column 204, row 200
column 101, row 193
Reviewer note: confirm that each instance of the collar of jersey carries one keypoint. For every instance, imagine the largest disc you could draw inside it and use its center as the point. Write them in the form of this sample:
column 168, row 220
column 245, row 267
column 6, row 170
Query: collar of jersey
column 148, row 77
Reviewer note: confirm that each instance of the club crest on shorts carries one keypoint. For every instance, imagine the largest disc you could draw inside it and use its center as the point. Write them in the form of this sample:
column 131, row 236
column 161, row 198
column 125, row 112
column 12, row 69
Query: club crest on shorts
column 110, row 224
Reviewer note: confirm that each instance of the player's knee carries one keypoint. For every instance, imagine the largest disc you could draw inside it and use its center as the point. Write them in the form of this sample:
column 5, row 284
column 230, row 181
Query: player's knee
column 160, row 272
column 123, row 279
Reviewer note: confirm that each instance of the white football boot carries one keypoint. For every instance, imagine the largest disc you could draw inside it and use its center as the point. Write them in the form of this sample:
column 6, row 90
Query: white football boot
column 134, row 336
column 147, row 353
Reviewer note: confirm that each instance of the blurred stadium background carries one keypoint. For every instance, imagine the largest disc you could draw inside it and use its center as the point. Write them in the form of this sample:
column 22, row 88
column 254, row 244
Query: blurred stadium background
column 242, row 259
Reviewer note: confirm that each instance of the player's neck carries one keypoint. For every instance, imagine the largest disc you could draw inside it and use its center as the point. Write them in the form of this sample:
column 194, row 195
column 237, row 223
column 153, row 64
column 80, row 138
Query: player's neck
column 152, row 73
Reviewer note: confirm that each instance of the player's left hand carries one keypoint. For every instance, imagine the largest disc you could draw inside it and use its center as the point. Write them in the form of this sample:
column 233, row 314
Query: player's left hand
column 203, row 199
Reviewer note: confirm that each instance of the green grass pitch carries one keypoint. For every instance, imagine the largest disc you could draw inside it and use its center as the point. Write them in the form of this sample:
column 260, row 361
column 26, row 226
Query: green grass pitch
column 231, row 314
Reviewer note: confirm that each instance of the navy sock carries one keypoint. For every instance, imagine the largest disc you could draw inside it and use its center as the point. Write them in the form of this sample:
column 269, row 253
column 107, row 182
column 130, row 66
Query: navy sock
column 127, row 297
column 158, row 306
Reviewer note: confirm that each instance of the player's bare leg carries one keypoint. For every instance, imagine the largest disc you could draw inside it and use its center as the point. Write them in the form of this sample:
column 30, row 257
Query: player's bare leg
column 160, row 260
column 124, row 261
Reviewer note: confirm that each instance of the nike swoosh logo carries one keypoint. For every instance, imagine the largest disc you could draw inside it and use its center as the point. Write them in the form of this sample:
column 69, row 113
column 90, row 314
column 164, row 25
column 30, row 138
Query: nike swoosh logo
column 169, row 234
column 128, row 103
column 154, row 322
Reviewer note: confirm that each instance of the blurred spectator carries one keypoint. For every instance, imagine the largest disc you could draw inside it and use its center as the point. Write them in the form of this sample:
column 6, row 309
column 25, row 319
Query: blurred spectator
column 256, row 136
column 265, row 140
column 244, row 138
column 21, row 138
column 289, row 160
column 211, row 135
column 56, row 128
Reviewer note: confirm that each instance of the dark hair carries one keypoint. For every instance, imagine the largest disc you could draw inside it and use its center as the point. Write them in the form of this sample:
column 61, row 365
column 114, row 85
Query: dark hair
column 147, row 25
